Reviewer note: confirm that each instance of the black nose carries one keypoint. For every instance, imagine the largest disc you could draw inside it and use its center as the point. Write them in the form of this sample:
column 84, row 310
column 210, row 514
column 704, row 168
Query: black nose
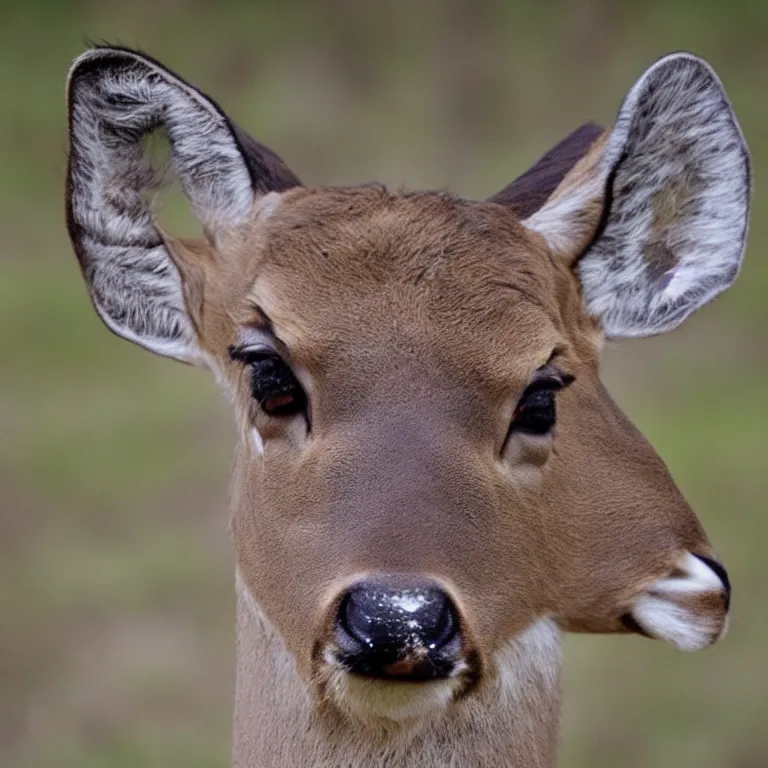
column 406, row 633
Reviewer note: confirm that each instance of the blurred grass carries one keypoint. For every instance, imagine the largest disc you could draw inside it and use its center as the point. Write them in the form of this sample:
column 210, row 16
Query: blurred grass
column 116, row 609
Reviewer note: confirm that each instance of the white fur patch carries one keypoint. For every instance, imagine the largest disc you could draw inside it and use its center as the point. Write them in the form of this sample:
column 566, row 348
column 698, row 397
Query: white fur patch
column 256, row 441
column 116, row 98
column 687, row 609
column 557, row 221
column 241, row 589
column 396, row 701
column 266, row 207
column 535, row 653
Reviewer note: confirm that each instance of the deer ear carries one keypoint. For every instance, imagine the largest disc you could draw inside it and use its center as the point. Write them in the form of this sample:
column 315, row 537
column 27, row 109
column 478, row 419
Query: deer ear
column 116, row 97
column 654, row 216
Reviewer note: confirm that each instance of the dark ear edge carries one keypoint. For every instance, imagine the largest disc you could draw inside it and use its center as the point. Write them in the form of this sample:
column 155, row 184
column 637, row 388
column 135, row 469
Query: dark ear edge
column 268, row 171
column 528, row 192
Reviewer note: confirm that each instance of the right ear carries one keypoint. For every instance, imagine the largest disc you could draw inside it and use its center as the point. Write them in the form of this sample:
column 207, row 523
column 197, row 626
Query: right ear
column 653, row 217
column 116, row 97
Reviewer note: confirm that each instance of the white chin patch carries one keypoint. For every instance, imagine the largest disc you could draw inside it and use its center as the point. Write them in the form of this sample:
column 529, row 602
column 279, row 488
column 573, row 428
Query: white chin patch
column 394, row 701
column 688, row 608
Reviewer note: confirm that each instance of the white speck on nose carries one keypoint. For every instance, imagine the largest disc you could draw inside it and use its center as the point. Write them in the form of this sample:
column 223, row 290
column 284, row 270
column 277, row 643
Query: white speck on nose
column 409, row 602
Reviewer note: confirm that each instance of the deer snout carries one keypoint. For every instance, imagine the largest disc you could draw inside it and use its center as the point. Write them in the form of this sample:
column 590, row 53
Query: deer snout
column 407, row 633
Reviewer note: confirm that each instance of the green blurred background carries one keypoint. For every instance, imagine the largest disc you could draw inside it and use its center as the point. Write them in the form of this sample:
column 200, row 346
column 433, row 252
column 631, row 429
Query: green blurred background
column 116, row 599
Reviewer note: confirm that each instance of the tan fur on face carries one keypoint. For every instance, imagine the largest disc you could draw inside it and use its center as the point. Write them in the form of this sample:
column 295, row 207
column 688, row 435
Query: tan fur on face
column 416, row 320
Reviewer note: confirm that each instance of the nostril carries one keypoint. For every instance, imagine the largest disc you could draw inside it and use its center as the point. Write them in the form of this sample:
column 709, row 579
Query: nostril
column 443, row 628
column 356, row 620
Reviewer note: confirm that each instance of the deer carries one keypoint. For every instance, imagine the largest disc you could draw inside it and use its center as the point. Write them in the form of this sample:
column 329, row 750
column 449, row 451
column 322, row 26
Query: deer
column 431, row 485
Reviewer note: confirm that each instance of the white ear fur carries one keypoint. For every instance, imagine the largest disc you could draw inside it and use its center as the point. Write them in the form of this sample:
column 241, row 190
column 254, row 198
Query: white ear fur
column 116, row 98
column 675, row 180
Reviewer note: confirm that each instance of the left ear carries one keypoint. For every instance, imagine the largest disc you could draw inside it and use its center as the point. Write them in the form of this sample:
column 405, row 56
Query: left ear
column 654, row 216
column 139, row 285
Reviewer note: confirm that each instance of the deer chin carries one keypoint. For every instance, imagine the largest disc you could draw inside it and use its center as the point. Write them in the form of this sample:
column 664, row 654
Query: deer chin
column 388, row 702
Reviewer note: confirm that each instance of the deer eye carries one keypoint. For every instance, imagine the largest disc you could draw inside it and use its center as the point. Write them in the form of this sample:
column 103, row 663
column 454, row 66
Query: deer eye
column 536, row 411
column 273, row 384
column 275, row 388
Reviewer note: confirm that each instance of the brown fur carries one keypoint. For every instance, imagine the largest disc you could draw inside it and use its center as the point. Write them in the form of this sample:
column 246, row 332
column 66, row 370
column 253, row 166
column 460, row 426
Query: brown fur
column 416, row 320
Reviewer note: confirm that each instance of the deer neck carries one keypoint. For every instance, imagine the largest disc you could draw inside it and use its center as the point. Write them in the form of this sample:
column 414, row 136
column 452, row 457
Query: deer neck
column 513, row 723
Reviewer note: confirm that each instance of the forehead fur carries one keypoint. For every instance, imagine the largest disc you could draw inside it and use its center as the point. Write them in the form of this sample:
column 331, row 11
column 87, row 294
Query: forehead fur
column 368, row 262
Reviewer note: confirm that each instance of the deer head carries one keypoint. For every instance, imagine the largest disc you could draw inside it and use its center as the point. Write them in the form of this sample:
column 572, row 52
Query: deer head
column 428, row 462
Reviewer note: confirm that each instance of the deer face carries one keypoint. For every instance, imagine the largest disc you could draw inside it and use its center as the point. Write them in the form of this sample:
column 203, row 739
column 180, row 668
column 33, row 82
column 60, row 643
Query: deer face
column 428, row 462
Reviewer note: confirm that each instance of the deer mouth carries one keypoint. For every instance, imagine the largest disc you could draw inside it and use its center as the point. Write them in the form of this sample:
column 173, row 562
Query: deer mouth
column 411, row 689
